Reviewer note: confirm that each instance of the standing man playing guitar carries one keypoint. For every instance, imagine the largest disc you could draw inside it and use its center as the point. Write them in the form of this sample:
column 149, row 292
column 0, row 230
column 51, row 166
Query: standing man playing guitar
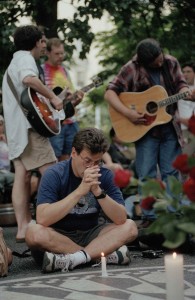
column 57, row 76
column 27, row 148
column 162, row 143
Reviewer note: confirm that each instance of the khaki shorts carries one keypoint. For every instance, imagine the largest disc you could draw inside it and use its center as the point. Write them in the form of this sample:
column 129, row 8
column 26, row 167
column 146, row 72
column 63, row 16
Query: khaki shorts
column 38, row 152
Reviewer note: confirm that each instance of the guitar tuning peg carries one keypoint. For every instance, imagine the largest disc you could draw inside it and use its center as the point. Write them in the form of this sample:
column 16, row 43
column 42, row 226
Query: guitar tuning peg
column 97, row 81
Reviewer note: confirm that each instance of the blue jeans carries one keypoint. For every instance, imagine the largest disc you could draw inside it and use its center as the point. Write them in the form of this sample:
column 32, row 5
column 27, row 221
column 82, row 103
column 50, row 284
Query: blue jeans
column 157, row 150
column 62, row 143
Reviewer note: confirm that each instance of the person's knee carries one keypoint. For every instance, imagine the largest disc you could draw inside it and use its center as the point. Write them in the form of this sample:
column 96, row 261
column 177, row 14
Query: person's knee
column 35, row 235
column 131, row 229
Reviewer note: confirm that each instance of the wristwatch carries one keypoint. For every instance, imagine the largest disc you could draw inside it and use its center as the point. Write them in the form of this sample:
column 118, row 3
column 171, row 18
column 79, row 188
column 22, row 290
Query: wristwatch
column 101, row 196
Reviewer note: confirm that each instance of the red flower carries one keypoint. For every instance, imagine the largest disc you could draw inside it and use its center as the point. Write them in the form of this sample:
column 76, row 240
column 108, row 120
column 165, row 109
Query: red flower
column 148, row 202
column 191, row 124
column 181, row 163
column 192, row 173
column 122, row 178
column 189, row 188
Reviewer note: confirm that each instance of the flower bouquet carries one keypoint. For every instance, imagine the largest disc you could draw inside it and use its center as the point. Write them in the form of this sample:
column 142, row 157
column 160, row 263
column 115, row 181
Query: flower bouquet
column 175, row 211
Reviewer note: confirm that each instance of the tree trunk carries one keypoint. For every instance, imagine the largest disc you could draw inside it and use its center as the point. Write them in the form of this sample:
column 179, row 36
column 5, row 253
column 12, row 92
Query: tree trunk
column 46, row 16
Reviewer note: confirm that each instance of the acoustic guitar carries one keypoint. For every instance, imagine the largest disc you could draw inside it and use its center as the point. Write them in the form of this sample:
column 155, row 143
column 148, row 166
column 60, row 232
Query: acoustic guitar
column 152, row 103
column 41, row 114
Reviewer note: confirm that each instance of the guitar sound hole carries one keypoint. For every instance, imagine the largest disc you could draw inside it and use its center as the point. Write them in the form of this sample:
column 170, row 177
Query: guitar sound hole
column 152, row 107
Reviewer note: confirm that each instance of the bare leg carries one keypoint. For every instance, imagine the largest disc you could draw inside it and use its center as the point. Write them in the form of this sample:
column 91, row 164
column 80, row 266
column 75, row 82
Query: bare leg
column 34, row 183
column 47, row 239
column 20, row 198
column 110, row 238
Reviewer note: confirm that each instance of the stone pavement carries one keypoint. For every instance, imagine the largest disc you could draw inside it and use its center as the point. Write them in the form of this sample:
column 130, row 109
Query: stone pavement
column 143, row 279
column 141, row 283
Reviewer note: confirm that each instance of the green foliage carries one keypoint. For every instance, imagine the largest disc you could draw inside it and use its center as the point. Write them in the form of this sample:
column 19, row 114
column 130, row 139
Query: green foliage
column 171, row 22
column 175, row 219
column 171, row 25
column 87, row 112
column 96, row 96
column 152, row 188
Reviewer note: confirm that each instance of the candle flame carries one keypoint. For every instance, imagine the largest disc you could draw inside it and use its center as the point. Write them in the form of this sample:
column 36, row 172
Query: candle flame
column 174, row 255
column 102, row 254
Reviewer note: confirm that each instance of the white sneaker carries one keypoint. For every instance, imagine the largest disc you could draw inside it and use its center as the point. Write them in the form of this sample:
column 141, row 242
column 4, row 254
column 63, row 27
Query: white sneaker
column 119, row 257
column 54, row 262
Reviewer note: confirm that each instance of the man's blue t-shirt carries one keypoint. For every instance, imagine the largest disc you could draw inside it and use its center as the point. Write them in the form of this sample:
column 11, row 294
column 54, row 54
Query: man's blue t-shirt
column 59, row 181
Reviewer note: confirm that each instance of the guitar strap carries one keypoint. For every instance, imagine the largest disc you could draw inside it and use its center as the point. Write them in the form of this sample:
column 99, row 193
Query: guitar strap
column 173, row 107
column 13, row 89
column 169, row 84
column 167, row 78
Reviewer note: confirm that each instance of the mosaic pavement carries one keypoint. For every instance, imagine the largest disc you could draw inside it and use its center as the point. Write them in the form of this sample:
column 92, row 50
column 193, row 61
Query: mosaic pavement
column 124, row 283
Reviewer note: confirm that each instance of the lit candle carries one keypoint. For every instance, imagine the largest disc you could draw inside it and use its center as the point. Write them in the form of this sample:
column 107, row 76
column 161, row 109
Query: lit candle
column 103, row 264
column 174, row 276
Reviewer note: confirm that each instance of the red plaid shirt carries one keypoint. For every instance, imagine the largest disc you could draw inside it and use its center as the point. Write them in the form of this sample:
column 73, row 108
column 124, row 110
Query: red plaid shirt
column 134, row 78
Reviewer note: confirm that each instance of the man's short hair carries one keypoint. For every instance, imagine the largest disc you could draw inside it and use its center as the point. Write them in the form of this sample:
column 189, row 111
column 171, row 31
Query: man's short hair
column 147, row 51
column 190, row 64
column 91, row 139
column 26, row 37
column 56, row 42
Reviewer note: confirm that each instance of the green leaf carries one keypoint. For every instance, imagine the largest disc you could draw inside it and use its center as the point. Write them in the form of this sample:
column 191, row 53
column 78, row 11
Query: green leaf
column 152, row 188
column 188, row 227
column 168, row 225
column 160, row 206
column 158, row 225
column 175, row 186
column 178, row 240
column 191, row 161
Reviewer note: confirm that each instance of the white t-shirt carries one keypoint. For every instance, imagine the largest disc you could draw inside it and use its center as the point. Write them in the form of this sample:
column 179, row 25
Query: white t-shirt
column 16, row 124
column 186, row 108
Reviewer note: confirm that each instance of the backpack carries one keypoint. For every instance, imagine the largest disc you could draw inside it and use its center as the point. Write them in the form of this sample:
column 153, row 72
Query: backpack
column 3, row 255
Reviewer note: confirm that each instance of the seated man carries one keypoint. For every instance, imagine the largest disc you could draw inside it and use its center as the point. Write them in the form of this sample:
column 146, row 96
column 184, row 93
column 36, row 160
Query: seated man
column 70, row 196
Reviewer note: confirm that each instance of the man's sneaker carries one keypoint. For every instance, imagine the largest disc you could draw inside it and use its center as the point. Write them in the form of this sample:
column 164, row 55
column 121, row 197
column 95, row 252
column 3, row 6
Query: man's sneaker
column 53, row 262
column 119, row 257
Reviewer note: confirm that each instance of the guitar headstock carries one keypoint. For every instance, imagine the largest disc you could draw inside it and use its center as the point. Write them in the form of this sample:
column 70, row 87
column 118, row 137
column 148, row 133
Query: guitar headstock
column 97, row 81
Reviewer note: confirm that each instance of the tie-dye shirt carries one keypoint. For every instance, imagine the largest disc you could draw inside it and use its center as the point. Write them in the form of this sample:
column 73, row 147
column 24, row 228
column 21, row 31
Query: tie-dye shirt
column 57, row 76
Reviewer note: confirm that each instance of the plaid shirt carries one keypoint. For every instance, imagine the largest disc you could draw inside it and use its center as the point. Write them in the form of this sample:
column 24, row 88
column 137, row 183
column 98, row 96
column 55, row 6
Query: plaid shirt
column 134, row 78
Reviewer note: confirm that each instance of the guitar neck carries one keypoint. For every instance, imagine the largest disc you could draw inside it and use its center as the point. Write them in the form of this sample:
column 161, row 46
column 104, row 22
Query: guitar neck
column 87, row 87
column 173, row 99
column 75, row 100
